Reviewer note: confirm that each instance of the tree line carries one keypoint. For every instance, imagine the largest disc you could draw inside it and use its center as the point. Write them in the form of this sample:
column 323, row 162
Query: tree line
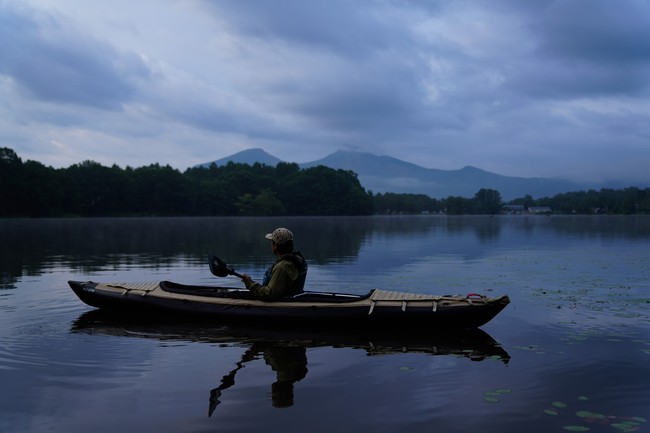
column 626, row 201
column 89, row 189
column 485, row 201
column 31, row 189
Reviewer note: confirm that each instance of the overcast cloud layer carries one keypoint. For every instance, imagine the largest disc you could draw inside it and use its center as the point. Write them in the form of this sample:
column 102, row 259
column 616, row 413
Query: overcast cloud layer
column 540, row 88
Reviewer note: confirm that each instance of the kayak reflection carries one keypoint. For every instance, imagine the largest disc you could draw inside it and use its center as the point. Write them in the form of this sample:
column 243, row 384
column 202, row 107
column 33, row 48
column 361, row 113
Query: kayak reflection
column 285, row 350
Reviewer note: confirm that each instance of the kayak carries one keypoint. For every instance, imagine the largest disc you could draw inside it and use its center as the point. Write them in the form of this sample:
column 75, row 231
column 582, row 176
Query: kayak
column 377, row 308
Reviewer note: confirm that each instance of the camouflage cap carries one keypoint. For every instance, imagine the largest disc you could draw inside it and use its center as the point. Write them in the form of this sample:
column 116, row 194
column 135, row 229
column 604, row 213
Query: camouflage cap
column 280, row 235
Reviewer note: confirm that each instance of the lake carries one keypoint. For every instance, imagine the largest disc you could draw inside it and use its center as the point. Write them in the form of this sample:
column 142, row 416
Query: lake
column 570, row 353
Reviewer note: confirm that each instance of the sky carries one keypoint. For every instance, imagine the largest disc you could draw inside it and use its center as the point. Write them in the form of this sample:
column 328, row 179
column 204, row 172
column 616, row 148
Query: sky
column 548, row 88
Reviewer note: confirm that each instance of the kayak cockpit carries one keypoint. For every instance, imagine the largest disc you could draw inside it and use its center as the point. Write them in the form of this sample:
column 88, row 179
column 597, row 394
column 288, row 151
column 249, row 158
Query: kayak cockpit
column 224, row 292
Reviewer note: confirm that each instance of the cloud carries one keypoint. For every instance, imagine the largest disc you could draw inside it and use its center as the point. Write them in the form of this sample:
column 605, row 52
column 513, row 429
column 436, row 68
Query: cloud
column 587, row 49
column 55, row 63
column 544, row 88
column 343, row 27
column 596, row 31
column 359, row 70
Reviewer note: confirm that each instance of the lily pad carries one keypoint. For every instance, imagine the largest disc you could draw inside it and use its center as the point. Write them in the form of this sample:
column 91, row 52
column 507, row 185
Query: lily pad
column 559, row 404
column 625, row 427
column 575, row 428
column 631, row 423
column 492, row 399
column 592, row 417
column 551, row 412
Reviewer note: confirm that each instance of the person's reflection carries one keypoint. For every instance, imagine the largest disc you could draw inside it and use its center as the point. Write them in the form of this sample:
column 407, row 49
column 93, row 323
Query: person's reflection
column 288, row 362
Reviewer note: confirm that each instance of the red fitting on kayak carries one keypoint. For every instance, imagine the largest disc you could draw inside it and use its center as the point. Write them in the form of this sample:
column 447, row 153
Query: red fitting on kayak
column 474, row 295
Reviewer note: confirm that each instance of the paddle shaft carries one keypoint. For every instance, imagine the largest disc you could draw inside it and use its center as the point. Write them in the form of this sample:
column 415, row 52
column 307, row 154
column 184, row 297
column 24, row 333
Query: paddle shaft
column 236, row 274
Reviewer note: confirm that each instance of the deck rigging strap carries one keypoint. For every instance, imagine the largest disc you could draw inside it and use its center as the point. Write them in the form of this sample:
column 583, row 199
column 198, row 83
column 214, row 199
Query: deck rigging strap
column 389, row 295
column 379, row 295
column 140, row 287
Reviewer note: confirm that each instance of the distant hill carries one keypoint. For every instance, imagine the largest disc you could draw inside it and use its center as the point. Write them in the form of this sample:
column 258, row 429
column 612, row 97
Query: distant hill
column 381, row 174
column 248, row 156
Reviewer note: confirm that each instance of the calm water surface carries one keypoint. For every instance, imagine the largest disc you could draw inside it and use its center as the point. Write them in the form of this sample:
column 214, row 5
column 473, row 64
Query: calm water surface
column 571, row 352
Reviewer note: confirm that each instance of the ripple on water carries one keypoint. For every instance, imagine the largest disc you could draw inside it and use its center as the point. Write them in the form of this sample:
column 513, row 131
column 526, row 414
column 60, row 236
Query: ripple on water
column 35, row 336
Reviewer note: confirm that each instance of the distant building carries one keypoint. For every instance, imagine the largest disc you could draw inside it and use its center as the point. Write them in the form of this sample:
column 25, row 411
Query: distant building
column 513, row 209
column 539, row 210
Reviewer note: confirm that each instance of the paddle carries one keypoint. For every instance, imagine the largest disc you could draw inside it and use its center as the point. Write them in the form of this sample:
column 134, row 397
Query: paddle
column 219, row 268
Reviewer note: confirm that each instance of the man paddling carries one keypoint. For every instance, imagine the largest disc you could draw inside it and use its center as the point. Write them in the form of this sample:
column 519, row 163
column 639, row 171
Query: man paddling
column 286, row 276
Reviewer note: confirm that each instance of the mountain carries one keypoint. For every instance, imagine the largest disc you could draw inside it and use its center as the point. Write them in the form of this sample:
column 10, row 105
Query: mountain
column 248, row 156
column 381, row 174
column 388, row 174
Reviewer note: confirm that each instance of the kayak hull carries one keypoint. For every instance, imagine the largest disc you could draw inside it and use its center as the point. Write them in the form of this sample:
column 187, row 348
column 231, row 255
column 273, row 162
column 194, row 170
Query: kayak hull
column 377, row 308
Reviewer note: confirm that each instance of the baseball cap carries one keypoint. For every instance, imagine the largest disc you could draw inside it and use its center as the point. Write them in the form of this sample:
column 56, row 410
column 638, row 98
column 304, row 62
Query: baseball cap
column 280, row 235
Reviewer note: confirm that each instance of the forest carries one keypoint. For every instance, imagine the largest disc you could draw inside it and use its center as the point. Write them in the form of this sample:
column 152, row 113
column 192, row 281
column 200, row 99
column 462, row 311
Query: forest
column 89, row 189
column 31, row 189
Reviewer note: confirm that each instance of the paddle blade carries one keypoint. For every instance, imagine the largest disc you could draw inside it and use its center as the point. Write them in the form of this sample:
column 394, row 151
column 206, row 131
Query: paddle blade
column 218, row 267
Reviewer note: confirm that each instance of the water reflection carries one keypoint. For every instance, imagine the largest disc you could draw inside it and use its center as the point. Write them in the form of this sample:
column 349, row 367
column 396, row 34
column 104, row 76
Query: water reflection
column 287, row 361
column 285, row 351
column 87, row 246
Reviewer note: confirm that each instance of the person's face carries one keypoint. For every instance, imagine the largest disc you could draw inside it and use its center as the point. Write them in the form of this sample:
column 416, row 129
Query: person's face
column 274, row 247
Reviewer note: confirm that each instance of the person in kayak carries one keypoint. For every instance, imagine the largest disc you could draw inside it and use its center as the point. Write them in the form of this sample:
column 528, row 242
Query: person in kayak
column 286, row 276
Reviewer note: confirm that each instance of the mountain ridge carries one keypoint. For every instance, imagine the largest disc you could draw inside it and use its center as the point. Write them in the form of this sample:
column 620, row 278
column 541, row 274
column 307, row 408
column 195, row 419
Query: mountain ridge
column 384, row 174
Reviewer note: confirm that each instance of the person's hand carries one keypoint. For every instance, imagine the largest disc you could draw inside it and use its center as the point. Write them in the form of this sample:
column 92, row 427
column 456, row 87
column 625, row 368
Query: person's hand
column 246, row 279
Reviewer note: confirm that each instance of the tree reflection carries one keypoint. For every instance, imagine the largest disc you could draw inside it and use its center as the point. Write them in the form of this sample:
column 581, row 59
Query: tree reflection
column 91, row 245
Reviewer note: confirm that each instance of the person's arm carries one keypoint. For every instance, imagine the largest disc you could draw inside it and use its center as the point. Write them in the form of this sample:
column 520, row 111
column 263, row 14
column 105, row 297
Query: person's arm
column 284, row 275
